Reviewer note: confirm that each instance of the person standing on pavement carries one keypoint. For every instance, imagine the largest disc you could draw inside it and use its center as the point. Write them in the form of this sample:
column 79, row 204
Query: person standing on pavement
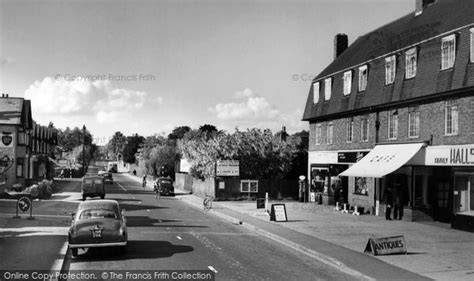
column 144, row 181
column 388, row 200
column 397, row 202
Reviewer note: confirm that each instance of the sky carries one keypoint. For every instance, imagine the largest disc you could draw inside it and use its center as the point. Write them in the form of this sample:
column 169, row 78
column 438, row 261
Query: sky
column 148, row 67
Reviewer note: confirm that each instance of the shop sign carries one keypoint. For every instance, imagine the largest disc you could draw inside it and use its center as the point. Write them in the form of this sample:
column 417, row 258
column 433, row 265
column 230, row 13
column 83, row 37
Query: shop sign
column 6, row 139
column 386, row 246
column 322, row 157
column 461, row 155
column 227, row 168
column 350, row 157
column 278, row 213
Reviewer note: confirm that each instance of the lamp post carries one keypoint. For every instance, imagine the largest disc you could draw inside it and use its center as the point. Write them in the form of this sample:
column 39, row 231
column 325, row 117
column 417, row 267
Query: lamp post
column 84, row 148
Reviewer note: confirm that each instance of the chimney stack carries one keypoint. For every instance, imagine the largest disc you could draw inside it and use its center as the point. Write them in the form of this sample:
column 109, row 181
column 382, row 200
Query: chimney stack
column 341, row 42
column 421, row 5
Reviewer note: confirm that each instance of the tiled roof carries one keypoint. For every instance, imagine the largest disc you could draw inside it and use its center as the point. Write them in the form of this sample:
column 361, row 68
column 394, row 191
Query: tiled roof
column 11, row 110
column 438, row 18
column 423, row 31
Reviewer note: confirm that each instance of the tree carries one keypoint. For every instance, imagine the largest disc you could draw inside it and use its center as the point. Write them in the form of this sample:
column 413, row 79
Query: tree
column 116, row 145
column 131, row 148
column 178, row 133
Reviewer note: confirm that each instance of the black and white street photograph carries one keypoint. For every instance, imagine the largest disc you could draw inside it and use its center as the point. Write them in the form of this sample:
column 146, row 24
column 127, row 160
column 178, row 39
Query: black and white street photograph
column 236, row 140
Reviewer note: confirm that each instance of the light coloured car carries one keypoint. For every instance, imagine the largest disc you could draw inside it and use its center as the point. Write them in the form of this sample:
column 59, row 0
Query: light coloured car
column 98, row 223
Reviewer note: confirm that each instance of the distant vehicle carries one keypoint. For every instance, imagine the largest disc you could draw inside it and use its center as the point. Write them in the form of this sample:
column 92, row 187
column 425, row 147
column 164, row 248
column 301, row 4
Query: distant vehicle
column 93, row 170
column 112, row 167
column 165, row 186
column 93, row 186
column 108, row 177
column 98, row 223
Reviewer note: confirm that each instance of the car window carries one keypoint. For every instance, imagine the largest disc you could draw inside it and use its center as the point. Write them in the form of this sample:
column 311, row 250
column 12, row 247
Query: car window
column 100, row 213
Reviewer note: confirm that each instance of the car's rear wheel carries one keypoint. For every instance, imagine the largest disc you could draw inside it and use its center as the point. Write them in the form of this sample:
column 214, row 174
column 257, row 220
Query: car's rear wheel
column 74, row 252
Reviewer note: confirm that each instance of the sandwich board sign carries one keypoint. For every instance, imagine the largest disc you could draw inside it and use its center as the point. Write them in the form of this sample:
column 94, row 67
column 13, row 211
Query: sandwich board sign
column 278, row 213
column 386, row 245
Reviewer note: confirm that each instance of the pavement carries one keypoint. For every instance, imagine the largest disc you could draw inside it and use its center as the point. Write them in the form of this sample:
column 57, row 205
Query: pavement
column 435, row 251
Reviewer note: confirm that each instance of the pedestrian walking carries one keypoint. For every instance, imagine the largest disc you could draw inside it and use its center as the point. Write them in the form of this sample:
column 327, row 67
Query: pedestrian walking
column 144, row 181
column 388, row 200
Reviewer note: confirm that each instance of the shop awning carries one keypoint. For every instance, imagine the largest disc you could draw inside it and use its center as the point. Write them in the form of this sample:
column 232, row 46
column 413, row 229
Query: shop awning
column 383, row 160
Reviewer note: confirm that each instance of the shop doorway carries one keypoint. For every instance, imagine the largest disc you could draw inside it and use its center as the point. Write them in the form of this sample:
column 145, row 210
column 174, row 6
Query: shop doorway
column 442, row 212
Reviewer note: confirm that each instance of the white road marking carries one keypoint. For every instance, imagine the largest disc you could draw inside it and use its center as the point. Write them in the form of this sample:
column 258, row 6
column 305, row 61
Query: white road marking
column 212, row 269
column 34, row 231
column 147, row 210
column 179, row 238
column 58, row 263
column 121, row 186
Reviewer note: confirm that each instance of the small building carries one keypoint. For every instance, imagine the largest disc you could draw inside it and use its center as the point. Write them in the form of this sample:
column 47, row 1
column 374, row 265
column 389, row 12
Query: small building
column 25, row 147
column 395, row 111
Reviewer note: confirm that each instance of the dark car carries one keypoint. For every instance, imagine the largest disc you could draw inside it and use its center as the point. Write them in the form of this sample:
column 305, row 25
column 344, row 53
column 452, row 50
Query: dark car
column 93, row 186
column 98, row 223
column 108, row 177
column 165, row 185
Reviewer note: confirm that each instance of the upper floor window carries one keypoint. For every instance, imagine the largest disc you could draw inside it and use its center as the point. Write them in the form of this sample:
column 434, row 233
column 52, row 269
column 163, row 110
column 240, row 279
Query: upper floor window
column 330, row 133
column 392, row 125
column 347, row 82
column 349, row 129
column 410, row 63
column 472, row 44
column 315, row 92
column 390, row 69
column 327, row 88
column 414, row 123
column 318, row 134
column 448, row 51
column 363, row 72
column 364, row 129
column 451, row 117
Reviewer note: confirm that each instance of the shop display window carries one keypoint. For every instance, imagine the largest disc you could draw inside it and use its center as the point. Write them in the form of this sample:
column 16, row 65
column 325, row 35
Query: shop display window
column 319, row 179
column 360, row 186
column 464, row 194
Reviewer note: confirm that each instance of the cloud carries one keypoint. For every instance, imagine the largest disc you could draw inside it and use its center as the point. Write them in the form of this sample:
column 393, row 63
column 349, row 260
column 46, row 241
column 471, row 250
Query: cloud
column 254, row 111
column 254, row 107
column 79, row 97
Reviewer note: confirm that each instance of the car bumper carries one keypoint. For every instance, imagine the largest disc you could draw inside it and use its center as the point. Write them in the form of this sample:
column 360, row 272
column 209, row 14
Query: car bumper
column 97, row 245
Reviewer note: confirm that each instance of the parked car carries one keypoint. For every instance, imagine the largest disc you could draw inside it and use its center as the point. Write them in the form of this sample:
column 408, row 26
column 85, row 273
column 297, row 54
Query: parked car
column 165, row 185
column 93, row 186
column 108, row 177
column 98, row 223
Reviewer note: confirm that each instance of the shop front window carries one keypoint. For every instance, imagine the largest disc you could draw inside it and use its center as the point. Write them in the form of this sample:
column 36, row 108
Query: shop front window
column 319, row 179
column 464, row 194
column 360, row 186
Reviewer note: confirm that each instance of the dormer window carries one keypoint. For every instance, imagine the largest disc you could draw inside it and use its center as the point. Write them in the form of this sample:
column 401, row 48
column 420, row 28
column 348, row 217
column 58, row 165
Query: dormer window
column 347, row 82
column 327, row 88
column 410, row 63
column 363, row 72
column 390, row 68
column 315, row 92
column 448, row 52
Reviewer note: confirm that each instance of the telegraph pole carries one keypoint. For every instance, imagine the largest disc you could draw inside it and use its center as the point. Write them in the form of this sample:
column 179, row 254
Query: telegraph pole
column 84, row 149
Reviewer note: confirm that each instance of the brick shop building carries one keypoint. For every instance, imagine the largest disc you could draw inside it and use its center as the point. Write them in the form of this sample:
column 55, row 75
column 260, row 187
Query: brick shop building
column 395, row 111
